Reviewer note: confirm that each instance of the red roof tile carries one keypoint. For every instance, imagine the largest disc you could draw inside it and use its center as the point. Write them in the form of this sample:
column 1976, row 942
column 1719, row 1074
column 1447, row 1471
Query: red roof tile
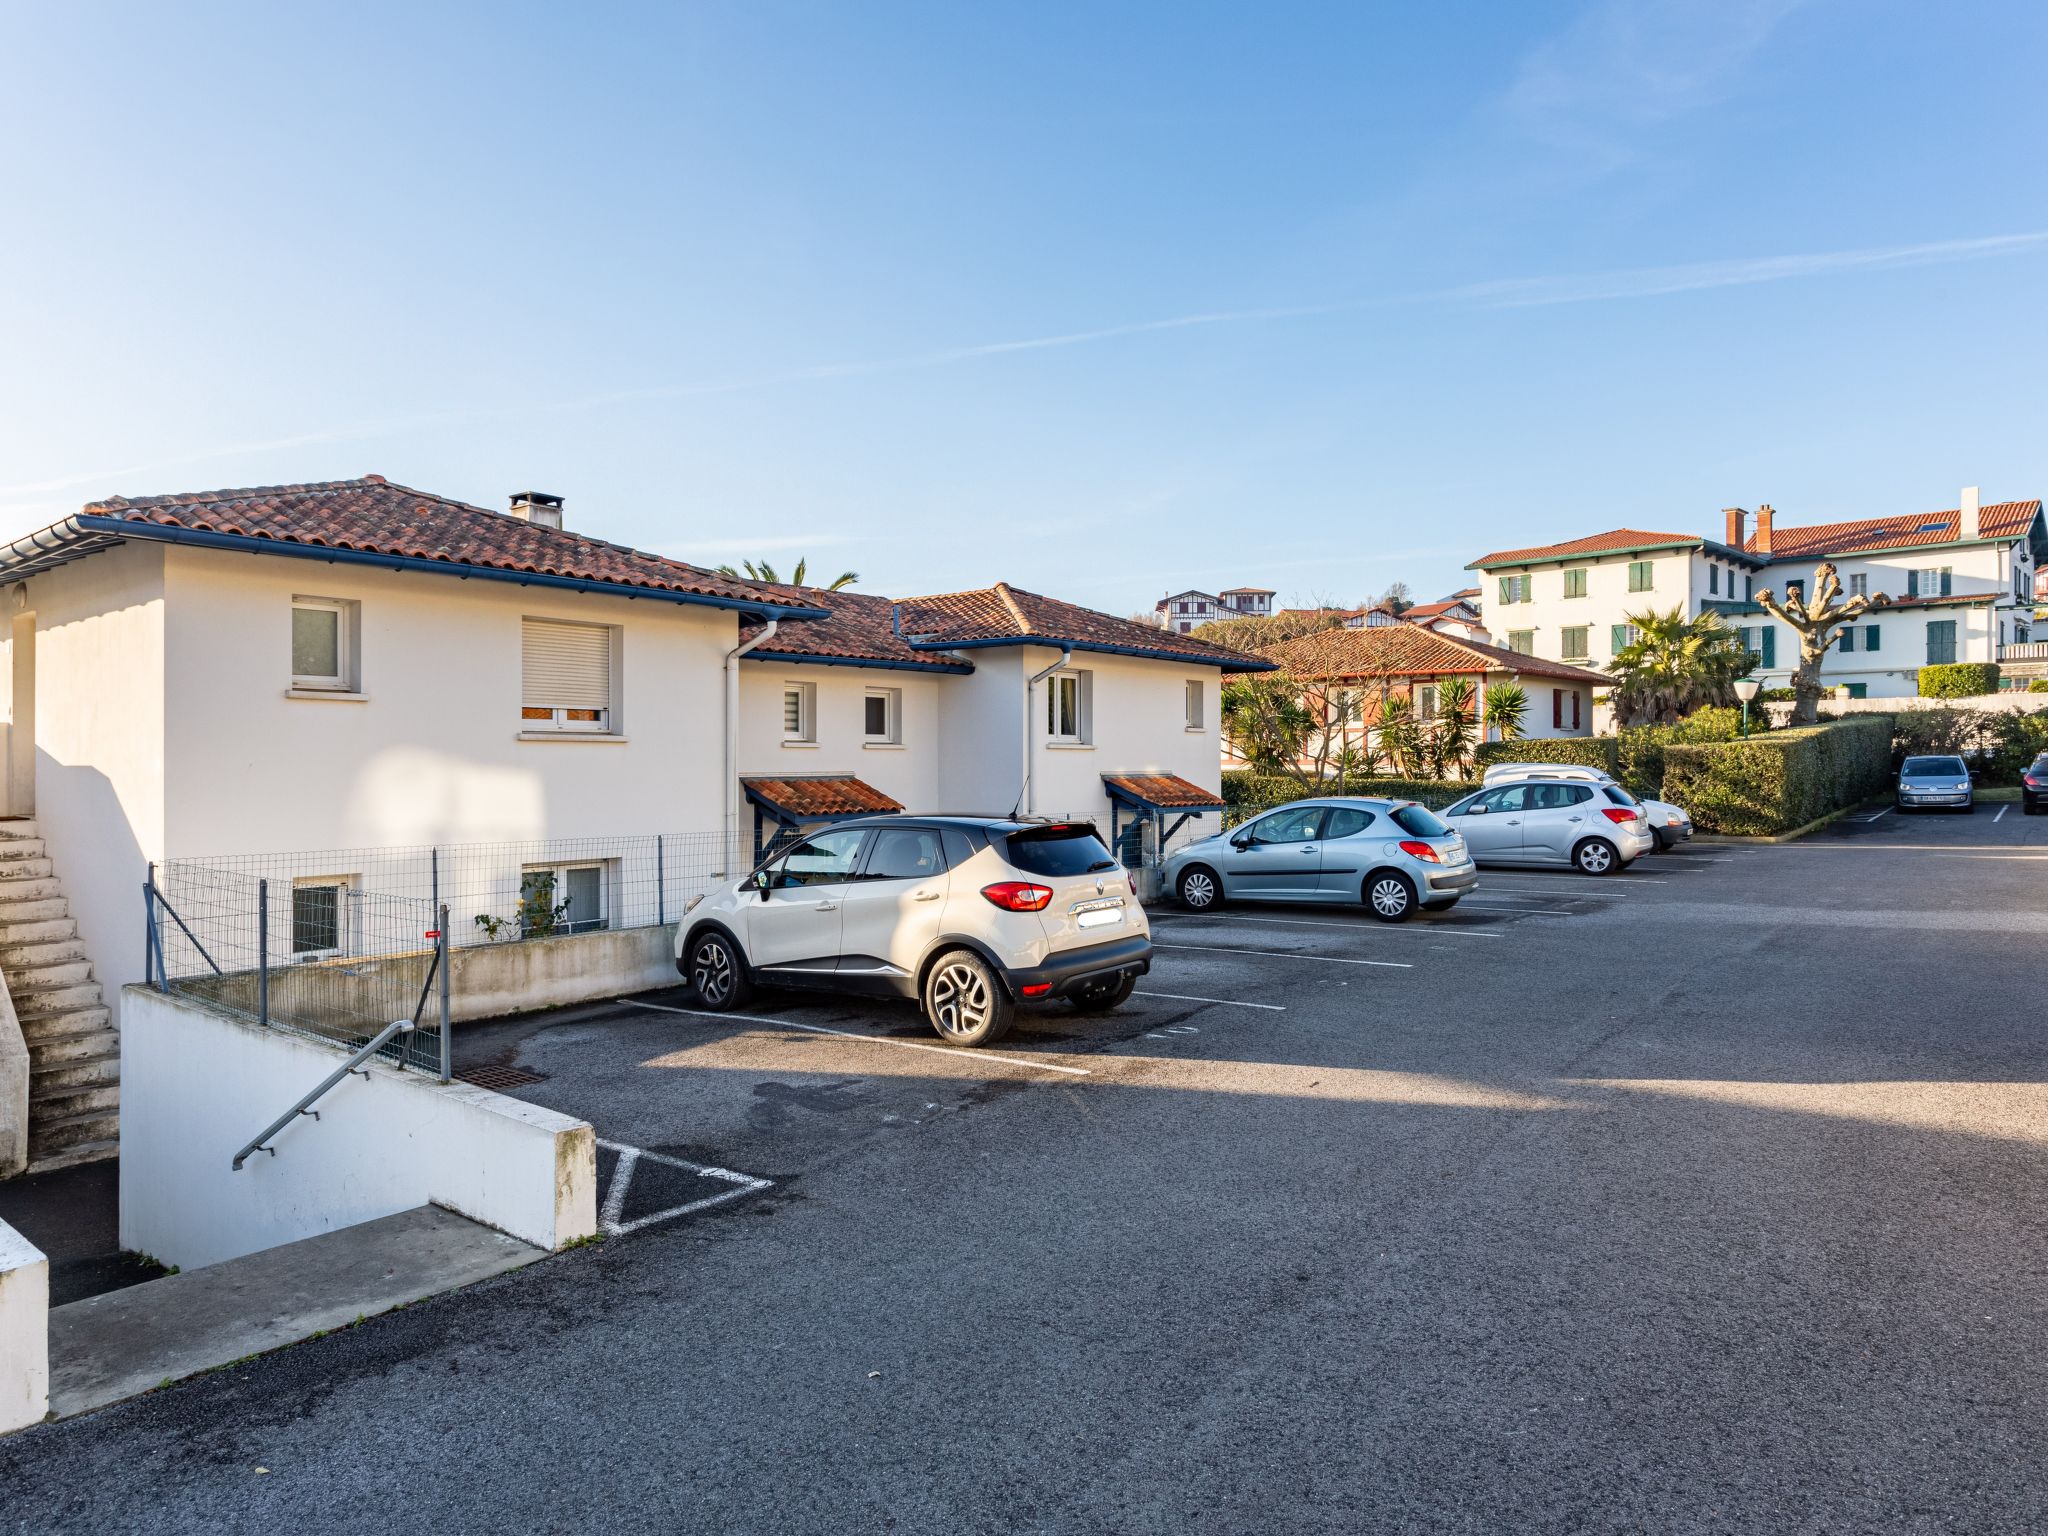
column 1003, row 614
column 374, row 516
column 857, row 628
column 1998, row 520
column 1164, row 790
column 806, row 799
column 1612, row 542
column 1408, row 650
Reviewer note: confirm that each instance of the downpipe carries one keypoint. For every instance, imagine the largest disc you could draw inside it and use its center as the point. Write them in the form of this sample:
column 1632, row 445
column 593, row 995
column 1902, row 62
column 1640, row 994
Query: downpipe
column 732, row 744
column 1025, row 802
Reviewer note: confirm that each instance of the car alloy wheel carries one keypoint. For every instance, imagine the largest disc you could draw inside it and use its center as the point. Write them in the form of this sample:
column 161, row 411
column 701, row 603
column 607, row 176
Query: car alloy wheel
column 1594, row 857
column 1198, row 890
column 715, row 973
column 961, row 999
column 1390, row 896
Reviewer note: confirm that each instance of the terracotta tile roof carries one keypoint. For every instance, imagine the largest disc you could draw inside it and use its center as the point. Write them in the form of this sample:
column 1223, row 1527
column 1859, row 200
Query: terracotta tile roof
column 1162, row 789
column 374, row 516
column 1007, row 615
column 1612, row 542
column 1408, row 650
column 1421, row 611
column 1461, row 594
column 805, row 799
column 857, row 628
column 1246, row 591
column 1997, row 520
column 1956, row 600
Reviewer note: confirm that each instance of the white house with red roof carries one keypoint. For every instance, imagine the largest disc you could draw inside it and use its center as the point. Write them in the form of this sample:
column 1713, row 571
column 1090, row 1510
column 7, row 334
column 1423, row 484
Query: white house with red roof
column 1960, row 584
column 1184, row 611
column 358, row 665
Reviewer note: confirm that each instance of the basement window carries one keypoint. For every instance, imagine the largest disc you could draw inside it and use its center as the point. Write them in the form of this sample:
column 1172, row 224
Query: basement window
column 557, row 899
column 320, row 916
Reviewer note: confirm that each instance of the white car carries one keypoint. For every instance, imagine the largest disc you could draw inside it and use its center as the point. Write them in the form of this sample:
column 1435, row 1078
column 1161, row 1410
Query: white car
column 969, row 915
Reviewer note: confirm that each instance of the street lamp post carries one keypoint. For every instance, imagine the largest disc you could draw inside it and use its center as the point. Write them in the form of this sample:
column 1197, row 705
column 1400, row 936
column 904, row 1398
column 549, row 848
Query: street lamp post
column 1745, row 690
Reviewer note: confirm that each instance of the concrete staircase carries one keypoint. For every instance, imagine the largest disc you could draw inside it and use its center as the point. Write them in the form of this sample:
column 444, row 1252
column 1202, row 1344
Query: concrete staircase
column 74, row 1092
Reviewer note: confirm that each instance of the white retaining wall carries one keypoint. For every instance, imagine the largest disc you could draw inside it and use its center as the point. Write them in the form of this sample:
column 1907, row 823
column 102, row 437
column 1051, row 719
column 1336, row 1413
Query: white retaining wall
column 2009, row 700
column 24, row 1332
column 196, row 1086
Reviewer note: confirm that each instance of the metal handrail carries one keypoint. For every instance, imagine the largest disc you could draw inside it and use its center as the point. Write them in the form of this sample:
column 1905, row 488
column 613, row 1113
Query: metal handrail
column 303, row 1107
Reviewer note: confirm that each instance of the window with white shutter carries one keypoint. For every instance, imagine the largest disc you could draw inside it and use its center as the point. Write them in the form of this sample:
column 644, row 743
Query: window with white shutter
column 567, row 677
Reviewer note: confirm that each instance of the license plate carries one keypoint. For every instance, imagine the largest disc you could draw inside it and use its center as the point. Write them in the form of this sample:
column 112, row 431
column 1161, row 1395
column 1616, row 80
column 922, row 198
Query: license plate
column 1098, row 917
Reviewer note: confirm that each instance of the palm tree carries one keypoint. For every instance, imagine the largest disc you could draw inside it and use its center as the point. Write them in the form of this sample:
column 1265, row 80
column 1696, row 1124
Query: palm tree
column 1400, row 735
column 761, row 570
column 1675, row 665
column 1451, row 743
column 1507, row 709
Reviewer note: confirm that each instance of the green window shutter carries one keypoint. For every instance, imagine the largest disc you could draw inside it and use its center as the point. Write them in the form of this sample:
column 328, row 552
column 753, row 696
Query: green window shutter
column 1507, row 589
column 1848, row 640
column 1870, row 637
column 1575, row 583
column 1944, row 581
column 1913, row 583
column 1770, row 646
column 1617, row 637
column 1941, row 642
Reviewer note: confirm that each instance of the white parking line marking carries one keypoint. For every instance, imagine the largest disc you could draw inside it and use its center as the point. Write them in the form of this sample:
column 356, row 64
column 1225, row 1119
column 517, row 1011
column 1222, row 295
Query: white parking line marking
column 1550, row 881
column 2001, row 813
column 854, row 1034
column 1878, row 817
column 630, row 1158
column 1429, row 931
column 1281, row 954
column 1541, row 911
column 1227, row 1002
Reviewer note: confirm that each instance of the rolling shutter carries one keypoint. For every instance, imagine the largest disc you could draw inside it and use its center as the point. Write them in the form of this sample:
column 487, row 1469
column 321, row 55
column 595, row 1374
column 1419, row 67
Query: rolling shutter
column 567, row 666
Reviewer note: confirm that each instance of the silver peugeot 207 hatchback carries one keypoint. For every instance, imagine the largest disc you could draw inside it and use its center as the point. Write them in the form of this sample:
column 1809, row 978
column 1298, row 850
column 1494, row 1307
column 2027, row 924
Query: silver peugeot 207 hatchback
column 1393, row 855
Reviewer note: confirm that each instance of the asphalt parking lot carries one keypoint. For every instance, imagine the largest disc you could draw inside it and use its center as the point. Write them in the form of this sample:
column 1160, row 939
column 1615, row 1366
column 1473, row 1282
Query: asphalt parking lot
column 1711, row 1196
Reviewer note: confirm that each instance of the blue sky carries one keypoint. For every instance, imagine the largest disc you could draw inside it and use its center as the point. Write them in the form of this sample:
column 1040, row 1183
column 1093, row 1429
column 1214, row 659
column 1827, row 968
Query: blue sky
column 1102, row 300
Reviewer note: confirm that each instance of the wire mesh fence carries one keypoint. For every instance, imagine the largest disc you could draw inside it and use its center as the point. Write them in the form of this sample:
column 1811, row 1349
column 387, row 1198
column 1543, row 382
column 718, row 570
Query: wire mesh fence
column 332, row 964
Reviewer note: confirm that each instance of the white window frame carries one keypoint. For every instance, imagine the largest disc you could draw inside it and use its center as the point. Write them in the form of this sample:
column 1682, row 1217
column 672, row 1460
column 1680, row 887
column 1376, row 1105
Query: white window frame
column 1068, row 703
column 1425, row 701
column 1193, row 706
column 892, row 717
column 577, row 720
column 344, row 917
column 1859, row 583
column 560, row 872
column 344, row 646
column 806, row 732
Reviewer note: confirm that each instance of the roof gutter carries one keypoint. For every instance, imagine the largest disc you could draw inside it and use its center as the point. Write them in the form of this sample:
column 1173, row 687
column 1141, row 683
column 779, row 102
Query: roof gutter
column 798, row 658
column 732, row 744
column 78, row 527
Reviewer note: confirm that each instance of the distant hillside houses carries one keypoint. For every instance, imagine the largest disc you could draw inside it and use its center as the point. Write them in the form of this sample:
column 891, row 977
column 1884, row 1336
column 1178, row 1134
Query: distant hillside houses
column 1184, row 611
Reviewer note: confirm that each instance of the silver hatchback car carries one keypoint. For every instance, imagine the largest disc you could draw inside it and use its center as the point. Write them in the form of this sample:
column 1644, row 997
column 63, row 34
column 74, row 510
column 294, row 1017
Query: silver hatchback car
column 1935, row 781
column 1394, row 855
column 1592, row 825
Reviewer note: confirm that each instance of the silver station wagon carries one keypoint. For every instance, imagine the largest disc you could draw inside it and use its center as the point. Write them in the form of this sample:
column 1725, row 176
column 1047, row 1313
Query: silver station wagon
column 1393, row 855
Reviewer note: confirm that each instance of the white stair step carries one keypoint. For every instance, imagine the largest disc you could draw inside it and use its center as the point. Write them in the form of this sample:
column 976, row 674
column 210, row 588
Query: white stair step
column 40, row 1020
column 18, row 826
column 18, row 894
column 12, row 848
column 55, row 1050
column 36, row 930
column 26, row 869
column 39, row 952
column 80, row 1152
column 46, row 1078
column 61, row 1101
column 61, row 1132
column 71, row 992
column 22, row 980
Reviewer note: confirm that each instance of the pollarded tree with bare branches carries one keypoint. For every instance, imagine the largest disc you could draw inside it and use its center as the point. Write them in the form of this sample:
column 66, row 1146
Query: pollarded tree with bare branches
column 1816, row 619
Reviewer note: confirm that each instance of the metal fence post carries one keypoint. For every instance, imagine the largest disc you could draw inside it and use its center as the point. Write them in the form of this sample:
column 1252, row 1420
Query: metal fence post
column 263, row 952
column 149, row 925
column 660, row 885
column 447, row 1036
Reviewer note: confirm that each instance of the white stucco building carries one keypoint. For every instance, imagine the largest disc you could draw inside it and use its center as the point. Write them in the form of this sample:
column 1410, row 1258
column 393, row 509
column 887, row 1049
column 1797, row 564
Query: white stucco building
column 1960, row 585
column 1184, row 611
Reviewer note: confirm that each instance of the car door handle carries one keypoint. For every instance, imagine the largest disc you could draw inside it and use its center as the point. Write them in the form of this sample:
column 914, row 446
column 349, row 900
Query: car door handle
column 828, row 906
column 1577, row 818
column 1310, row 848
column 924, row 896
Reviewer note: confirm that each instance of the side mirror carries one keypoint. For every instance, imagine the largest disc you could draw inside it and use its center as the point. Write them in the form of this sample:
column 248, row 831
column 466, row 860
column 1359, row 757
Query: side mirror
column 1242, row 843
column 1473, row 810
column 761, row 881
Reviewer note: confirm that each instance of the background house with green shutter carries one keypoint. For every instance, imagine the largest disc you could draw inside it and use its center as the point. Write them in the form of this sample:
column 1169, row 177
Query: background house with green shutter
column 1961, row 585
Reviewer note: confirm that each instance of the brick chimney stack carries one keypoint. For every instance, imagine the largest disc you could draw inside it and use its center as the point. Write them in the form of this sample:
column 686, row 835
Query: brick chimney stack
column 1764, row 514
column 1738, row 525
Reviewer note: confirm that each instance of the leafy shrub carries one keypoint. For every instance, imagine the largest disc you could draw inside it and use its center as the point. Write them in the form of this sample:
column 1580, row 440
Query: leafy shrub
column 2038, row 685
column 1959, row 680
column 1640, row 749
column 1247, row 794
column 1776, row 782
column 1587, row 751
column 1776, row 695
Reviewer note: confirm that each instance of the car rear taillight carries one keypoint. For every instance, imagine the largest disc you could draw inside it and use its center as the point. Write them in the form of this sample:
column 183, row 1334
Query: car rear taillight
column 2032, row 782
column 1421, row 851
column 1619, row 815
column 1018, row 895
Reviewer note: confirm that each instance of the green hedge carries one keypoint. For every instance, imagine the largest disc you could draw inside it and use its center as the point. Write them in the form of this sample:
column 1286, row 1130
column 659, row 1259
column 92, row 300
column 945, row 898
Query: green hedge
column 1600, row 752
column 1959, row 680
column 2038, row 685
column 1247, row 791
column 1777, row 782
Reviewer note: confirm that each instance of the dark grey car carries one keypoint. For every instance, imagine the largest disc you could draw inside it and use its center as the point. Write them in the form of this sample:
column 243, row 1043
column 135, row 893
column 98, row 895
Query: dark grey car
column 1929, row 782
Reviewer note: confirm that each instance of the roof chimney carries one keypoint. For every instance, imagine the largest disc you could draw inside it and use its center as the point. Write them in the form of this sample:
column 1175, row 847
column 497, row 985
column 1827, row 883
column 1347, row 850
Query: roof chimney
column 1968, row 524
column 538, row 507
column 1738, row 525
column 1764, row 514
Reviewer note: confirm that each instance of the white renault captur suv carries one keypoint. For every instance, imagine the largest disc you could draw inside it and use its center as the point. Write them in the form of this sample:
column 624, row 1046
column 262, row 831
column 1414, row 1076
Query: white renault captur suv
column 968, row 915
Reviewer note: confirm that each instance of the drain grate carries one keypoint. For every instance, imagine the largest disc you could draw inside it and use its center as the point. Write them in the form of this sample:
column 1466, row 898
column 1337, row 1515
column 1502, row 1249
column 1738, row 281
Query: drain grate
column 499, row 1078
